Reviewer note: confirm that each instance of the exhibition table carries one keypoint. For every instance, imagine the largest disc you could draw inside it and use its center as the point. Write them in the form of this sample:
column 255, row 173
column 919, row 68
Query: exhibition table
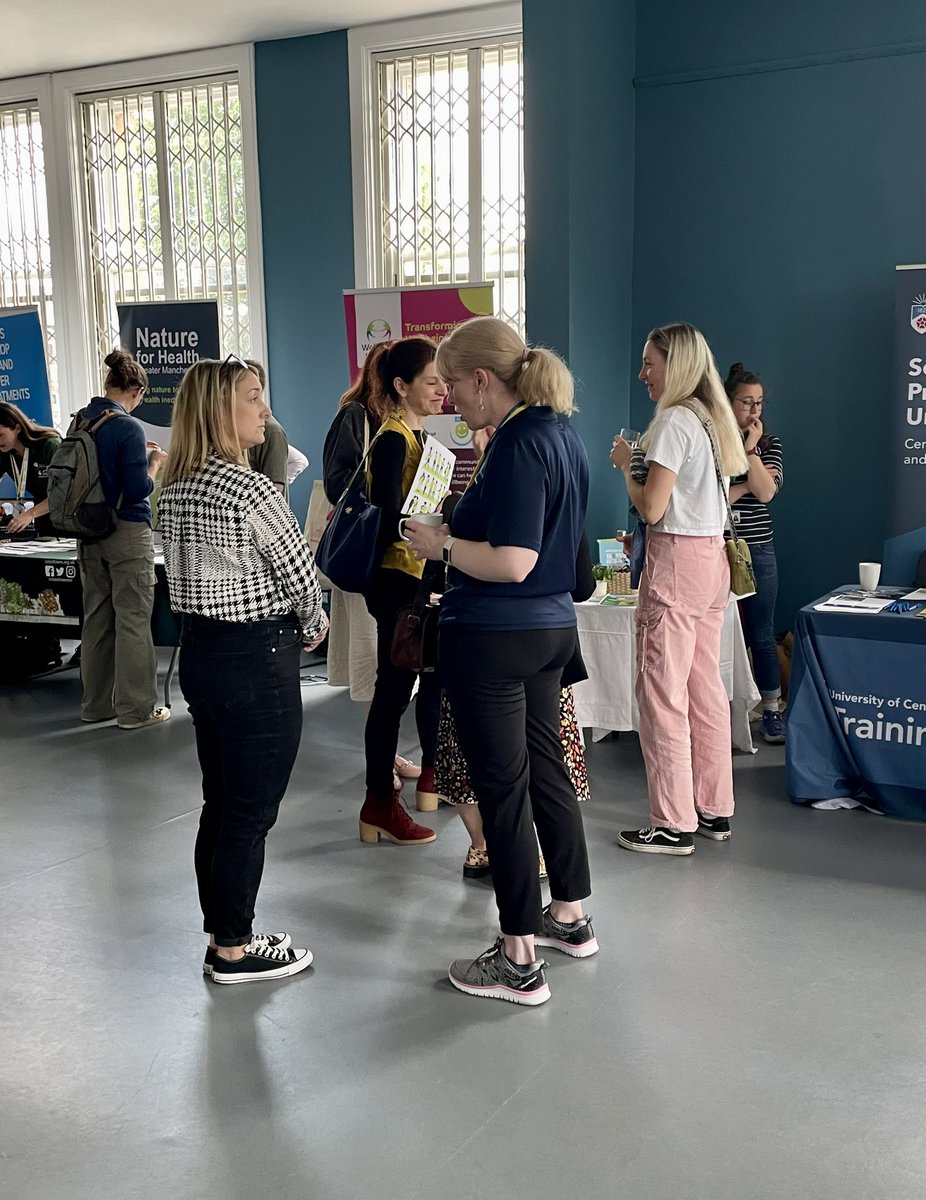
column 857, row 711
column 40, row 588
column 605, row 701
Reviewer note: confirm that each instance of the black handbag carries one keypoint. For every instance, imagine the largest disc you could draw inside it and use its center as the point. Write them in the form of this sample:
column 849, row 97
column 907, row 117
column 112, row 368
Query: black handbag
column 347, row 549
column 414, row 643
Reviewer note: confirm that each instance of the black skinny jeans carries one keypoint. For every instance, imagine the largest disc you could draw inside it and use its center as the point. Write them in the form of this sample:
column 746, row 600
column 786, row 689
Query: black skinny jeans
column 504, row 690
column 391, row 591
column 241, row 682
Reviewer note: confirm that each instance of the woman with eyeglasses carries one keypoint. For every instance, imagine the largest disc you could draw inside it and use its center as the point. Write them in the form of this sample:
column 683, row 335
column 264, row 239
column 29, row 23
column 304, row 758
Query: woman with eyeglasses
column 750, row 495
column 118, row 665
column 242, row 578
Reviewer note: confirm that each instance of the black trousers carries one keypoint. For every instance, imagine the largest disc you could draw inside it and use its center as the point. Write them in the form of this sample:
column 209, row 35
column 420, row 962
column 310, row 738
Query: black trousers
column 241, row 682
column 504, row 690
column 391, row 591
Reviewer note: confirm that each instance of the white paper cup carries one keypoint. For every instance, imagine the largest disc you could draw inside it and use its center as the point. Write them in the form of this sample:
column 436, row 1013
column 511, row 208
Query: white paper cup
column 435, row 520
column 868, row 576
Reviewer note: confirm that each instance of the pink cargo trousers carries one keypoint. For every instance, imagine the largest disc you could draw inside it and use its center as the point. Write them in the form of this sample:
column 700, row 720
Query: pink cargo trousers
column 683, row 706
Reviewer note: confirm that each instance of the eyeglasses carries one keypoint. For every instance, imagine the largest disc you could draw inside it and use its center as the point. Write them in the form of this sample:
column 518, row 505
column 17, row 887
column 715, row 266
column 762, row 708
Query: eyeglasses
column 234, row 361
column 751, row 404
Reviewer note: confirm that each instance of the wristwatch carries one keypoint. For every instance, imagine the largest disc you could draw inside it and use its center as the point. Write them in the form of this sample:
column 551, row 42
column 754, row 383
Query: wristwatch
column 445, row 552
column 755, row 450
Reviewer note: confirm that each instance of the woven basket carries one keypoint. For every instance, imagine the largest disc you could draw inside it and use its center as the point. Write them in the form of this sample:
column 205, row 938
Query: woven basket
column 619, row 584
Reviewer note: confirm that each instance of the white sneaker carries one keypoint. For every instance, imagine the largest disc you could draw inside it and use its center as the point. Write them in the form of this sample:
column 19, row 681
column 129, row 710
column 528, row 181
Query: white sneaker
column 155, row 717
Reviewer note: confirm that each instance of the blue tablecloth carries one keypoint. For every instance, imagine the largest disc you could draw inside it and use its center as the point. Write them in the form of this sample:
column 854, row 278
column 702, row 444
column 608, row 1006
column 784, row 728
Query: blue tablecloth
column 857, row 711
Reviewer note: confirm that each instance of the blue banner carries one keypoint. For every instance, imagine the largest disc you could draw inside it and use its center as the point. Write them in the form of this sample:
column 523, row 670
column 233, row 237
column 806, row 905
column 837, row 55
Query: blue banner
column 23, row 366
column 906, row 530
column 167, row 337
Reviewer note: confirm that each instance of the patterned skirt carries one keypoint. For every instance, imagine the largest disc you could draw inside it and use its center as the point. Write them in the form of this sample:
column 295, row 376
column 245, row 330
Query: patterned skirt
column 451, row 776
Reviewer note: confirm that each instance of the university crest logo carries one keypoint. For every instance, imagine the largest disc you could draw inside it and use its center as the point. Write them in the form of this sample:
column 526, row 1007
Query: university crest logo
column 918, row 314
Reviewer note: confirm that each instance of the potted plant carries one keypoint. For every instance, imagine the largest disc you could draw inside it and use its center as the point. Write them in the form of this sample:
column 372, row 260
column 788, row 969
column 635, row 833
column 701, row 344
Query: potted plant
column 602, row 574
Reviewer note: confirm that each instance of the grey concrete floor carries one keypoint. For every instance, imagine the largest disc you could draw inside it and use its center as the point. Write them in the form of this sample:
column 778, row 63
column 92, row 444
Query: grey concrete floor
column 752, row 1029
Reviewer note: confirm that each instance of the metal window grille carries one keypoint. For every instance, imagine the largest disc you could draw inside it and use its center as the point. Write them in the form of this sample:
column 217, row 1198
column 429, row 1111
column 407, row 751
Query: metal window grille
column 165, row 209
column 449, row 170
column 25, row 249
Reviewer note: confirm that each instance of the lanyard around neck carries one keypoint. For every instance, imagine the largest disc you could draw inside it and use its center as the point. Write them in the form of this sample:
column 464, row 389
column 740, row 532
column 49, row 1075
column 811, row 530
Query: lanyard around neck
column 480, row 465
column 20, row 470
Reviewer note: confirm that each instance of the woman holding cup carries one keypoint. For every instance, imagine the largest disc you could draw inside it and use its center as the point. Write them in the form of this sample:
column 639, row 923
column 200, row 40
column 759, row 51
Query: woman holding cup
column 411, row 391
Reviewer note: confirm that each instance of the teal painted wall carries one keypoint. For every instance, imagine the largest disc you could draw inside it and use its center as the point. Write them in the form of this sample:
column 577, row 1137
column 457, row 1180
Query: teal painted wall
column 771, row 208
column 303, row 131
column 579, row 171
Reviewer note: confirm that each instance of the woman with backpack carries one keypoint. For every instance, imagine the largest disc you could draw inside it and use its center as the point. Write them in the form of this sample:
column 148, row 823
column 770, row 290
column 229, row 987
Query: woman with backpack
column 118, row 666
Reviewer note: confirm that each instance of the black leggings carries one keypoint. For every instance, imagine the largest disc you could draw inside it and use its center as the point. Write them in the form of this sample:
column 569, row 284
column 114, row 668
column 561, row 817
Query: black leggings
column 391, row 591
column 504, row 690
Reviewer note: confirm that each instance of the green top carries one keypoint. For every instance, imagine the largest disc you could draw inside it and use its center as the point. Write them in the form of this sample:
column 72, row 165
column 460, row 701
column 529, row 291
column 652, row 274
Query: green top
column 36, row 481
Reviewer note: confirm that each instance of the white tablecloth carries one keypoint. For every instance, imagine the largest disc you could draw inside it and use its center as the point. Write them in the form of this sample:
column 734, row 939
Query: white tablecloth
column 605, row 700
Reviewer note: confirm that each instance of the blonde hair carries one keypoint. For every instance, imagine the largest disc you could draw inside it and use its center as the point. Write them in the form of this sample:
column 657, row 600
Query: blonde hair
column 691, row 374
column 204, row 422
column 537, row 376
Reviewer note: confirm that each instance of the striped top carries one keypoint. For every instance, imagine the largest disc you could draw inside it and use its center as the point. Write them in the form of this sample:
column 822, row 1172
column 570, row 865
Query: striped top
column 753, row 521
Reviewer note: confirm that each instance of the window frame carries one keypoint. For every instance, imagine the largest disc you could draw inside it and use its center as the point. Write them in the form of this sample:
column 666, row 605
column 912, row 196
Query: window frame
column 58, row 97
column 459, row 29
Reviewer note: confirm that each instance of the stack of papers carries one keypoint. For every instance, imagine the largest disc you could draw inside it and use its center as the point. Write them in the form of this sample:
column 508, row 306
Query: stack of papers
column 854, row 602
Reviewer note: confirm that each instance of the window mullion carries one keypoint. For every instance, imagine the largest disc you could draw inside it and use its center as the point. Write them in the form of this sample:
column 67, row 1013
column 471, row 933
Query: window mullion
column 165, row 222
column 476, row 258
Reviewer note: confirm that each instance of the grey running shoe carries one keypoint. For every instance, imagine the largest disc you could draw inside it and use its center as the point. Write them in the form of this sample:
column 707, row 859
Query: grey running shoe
column 576, row 939
column 492, row 975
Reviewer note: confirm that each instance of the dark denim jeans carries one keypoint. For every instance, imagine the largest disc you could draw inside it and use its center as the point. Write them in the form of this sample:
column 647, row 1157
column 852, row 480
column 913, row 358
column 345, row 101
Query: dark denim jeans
column 758, row 616
column 241, row 682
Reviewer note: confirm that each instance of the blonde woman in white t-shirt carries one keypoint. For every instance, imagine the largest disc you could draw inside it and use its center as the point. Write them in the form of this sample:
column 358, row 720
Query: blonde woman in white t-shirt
column 685, row 588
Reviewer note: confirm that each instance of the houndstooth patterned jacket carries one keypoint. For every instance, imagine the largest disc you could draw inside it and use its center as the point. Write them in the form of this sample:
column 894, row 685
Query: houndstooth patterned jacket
column 233, row 550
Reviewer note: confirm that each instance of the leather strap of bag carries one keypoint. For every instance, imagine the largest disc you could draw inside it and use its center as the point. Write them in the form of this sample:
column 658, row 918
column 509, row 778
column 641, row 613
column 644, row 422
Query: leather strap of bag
column 363, row 462
column 708, row 426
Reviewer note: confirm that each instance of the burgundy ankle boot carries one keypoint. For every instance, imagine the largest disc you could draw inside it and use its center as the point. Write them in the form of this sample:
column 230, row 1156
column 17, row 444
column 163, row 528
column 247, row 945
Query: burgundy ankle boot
column 387, row 818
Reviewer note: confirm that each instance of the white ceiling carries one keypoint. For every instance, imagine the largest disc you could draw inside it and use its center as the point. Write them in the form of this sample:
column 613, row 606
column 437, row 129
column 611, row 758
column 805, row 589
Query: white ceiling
column 55, row 35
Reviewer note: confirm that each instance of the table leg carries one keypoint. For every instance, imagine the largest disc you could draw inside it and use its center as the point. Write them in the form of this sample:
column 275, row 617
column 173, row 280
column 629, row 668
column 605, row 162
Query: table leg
column 171, row 668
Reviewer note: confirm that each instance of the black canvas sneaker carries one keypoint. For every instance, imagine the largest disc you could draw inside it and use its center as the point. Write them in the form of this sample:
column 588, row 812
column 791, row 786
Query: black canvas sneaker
column 715, row 828
column 494, row 976
column 282, row 941
column 576, row 939
column 261, row 962
column 657, row 840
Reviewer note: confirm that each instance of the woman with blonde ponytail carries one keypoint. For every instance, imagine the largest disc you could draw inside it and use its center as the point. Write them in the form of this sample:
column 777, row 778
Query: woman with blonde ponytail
column 685, row 589
column 507, row 630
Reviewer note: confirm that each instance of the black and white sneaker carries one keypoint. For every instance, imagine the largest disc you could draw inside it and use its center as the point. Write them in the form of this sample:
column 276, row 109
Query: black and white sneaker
column 576, row 939
column 493, row 975
column 657, row 840
column 715, row 828
column 261, row 962
column 281, row 941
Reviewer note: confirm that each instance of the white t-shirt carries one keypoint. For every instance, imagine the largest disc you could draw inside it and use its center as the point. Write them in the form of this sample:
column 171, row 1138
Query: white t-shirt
column 678, row 441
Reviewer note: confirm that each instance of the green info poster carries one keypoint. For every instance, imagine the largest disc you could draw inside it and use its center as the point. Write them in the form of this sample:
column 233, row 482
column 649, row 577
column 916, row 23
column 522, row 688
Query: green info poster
column 167, row 337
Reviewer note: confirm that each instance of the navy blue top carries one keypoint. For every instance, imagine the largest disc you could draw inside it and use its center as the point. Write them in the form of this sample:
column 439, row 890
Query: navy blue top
column 532, row 491
column 122, row 452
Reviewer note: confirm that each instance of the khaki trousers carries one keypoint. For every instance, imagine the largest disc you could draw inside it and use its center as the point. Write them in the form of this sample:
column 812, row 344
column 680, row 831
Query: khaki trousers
column 118, row 666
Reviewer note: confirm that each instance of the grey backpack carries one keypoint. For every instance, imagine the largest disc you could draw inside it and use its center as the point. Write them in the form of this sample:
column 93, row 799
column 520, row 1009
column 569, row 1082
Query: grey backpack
column 76, row 503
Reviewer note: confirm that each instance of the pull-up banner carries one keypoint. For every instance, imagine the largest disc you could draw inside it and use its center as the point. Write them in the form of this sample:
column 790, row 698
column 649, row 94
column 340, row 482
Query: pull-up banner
column 23, row 366
column 167, row 337
column 906, row 539
column 383, row 314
